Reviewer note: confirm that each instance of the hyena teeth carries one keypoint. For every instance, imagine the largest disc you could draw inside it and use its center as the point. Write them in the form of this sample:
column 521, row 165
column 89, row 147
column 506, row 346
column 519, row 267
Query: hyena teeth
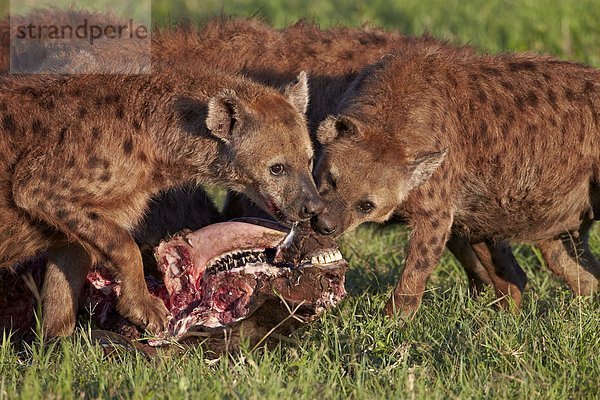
column 321, row 259
column 328, row 258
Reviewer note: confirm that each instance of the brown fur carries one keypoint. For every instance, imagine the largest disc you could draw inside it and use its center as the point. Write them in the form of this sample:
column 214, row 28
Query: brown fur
column 496, row 148
column 4, row 46
column 113, row 149
column 333, row 58
column 169, row 212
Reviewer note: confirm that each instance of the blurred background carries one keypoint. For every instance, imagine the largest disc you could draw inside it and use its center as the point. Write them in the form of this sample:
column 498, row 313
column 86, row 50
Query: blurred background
column 569, row 29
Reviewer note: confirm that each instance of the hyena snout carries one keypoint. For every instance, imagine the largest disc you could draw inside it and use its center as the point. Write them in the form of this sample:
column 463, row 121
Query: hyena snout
column 311, row 207
column 324, row 224
column 308, row 203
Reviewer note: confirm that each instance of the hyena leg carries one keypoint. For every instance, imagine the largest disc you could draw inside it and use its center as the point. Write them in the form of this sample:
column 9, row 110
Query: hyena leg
column 117, row 248
column 569, row 257
column 20, row 237
column 464, row 253
column 66, row 271
column 425, row 246
column 507, row 277
column 107, row 242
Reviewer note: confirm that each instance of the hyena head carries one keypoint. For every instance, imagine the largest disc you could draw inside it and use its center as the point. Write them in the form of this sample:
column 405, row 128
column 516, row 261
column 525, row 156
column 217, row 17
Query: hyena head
column 270, row 148
column 363, row 175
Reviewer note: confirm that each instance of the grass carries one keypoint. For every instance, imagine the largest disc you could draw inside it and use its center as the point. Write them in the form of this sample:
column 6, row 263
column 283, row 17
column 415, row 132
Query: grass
column 567, row 29
column 456, row 347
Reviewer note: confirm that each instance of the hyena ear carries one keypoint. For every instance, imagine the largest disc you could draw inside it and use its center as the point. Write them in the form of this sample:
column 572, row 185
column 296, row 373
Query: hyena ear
column 334, row 127
column 297, row 93
column 424, row 166
column 224, row 112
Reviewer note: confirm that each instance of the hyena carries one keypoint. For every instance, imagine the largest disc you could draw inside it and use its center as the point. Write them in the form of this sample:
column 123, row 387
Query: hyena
column 117, row 140
column 170, row 211
column 333, row 58
column 495, row 148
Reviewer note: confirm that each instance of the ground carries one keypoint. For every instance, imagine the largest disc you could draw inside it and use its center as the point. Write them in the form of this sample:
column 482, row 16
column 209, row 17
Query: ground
column 456, row 347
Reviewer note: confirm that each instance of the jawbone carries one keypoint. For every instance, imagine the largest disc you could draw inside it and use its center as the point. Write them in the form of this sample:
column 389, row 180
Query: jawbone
column 221, row 274
column 237, row 279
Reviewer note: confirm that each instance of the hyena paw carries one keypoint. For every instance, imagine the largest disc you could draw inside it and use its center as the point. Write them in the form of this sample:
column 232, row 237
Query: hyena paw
column 148, row 312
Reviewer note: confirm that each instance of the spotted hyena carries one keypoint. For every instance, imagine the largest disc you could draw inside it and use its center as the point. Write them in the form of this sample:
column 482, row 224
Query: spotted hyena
column 116, row 141
column 168, row 212
column 333, row 58
column 494, row 148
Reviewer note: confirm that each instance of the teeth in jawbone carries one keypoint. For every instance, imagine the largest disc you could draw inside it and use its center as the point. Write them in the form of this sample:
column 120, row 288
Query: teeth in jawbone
column 326, row 258
column 237, row 259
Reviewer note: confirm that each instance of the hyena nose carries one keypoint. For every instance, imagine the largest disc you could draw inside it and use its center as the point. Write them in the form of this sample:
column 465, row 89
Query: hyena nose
column 311, row 208
column 323, row 226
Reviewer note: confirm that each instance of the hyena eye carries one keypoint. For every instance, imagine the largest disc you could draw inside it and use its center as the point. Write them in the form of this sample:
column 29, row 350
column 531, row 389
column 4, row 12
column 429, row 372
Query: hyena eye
column 366, row 207
column 277, row 169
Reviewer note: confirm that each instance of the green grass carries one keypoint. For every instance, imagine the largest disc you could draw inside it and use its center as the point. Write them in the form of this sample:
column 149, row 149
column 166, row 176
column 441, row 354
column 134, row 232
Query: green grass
column 456, row 347
column 568, row 29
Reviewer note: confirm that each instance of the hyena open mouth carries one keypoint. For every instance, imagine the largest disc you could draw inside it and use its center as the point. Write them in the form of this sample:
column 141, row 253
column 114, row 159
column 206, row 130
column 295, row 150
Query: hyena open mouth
column 237, row 278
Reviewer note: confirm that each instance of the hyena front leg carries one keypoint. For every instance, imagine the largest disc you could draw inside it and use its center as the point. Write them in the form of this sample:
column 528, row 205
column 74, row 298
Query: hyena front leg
column 115, row 246
column 66, row 270
column 508, row 279
column 430, row 231
column 106, row 241
column 568, row 256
